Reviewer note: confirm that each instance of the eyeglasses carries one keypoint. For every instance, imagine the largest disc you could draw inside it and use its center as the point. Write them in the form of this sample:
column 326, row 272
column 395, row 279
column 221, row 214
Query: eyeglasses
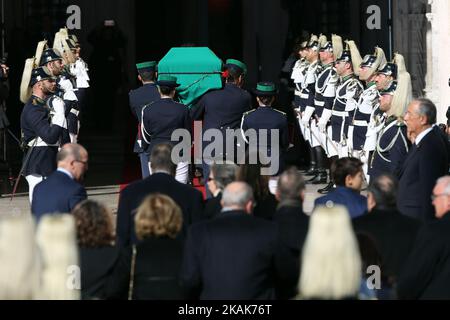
column 435, row 196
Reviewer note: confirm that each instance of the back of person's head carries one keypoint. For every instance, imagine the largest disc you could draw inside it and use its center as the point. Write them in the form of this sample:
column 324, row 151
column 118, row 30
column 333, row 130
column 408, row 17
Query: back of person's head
column 233, row 74
column 166, row 91
column 251, row 174
column 224, row 174
column 148, row 75
column 56, row 238
column 158, row 216
column 237, row 195
column 382, row 191
column 73, row 158
column 161, row 158
column 19, row 267
column 344, row 167
column 71, row 151
column 331, row 262
column 427, row 108
column 267, row 100
column 291, row 185
column 94, row 224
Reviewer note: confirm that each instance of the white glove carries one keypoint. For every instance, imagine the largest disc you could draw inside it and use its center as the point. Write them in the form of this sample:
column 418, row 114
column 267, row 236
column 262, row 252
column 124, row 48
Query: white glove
column 67, row 86
column 58, row 106
column 307, row 116
column 363, row 156
column 322, row 124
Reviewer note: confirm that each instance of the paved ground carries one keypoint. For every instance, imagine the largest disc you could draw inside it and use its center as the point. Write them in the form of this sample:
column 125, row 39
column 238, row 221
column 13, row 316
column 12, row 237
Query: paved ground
column 109, row 196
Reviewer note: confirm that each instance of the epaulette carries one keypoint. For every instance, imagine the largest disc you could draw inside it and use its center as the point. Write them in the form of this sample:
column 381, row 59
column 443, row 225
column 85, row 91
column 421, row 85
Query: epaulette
column 283, row 113
column 36, row 101
column 354, row 83
column 400, row 122
column 319, row 69
column 248, row 112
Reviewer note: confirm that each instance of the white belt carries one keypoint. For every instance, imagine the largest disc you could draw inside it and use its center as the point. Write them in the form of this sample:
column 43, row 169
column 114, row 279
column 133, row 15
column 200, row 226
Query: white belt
column 319, row 103
column 40, row 143
column 304, row 96
column 340, row 113
column 360, row 123
column 297, row 93
column 75, row 111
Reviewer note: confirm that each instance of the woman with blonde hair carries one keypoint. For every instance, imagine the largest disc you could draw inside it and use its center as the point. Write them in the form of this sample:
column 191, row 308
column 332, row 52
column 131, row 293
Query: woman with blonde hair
column 60, row 276
column 150, row 269
column 19, row 267
column 331, row 262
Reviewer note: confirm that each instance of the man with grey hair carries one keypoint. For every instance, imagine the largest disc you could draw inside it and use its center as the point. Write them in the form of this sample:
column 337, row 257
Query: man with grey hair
column 291, row 220
column 427, row 160
column 235, row 256
column 220, row 176
column 426, row 275
column 392, row 232
column 62, row 191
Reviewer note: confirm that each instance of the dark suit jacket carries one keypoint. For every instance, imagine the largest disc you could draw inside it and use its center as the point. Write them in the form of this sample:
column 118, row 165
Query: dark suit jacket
column 265, row 208
column 234, row 256
column 293, row 226
column 189, row 199
column 97, row 266
column 427, row 271
column 212, row 207
column 355, row 203
column 423, row 166
column 57, row 194
column 394, row 235
column 156, row 273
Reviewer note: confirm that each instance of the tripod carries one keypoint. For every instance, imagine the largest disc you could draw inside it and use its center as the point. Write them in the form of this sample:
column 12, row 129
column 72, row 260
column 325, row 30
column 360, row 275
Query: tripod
column 4, row 132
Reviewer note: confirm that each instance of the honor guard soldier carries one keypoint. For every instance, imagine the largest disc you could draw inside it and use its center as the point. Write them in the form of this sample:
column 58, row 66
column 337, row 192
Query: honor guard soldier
column 325, row 92
column 52, row 61
column 392, row 142
column 347, row 92
column 80, row 70
column 67, row 83
column 384, row 80
column 347, row 95
column 367, row 103
column 267, row 118
column 223, row 109
column 140, row 97
column 306, row 102
column 298, row 74
column 162, row 117
column 42, row 123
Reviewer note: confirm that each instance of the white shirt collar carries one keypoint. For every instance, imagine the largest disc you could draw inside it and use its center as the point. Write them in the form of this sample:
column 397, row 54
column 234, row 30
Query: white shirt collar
column 422, row 135
column 66, row 172
column 161, row 171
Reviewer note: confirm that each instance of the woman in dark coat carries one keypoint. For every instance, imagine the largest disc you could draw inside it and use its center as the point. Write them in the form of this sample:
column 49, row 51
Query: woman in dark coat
column 150, row 269
column 266, row 203
column 98, row 256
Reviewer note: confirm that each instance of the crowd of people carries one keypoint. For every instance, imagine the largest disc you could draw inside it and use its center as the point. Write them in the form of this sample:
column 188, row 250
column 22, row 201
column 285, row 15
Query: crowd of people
column 249, row 238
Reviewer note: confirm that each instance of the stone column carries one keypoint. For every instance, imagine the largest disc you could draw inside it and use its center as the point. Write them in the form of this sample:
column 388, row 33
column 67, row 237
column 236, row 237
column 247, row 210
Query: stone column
column 437, row 88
